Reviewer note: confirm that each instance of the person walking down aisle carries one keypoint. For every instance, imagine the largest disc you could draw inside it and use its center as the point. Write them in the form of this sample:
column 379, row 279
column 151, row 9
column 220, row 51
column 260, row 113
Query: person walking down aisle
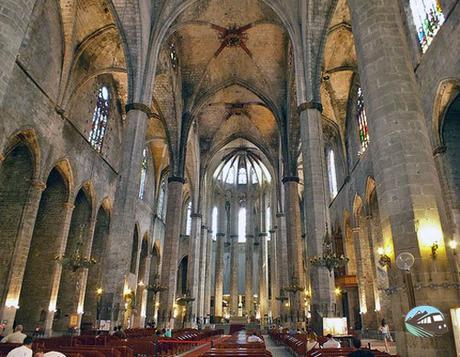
column 385, row 331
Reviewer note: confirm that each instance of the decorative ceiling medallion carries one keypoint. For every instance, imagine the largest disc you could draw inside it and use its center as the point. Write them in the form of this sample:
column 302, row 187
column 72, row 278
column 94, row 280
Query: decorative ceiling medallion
column 233, row 36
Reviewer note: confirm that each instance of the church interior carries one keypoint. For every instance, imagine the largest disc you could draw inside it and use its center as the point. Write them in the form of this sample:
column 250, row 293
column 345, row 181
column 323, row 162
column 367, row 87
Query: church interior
column 199, row 165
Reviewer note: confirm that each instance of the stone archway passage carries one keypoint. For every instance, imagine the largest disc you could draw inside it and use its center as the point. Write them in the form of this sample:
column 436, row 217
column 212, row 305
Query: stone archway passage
column 94, row 282
column 35, row 293
column 16, row 174
column 153, row 274
column 70, row 283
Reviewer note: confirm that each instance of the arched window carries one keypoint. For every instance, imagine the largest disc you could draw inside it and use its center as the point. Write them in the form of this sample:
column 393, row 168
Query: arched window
column 161, row 207
column 214, row 222
column 428, row 18
column 188, row 221
column 242, row 225
column 143, row 174
column 242, row 177
column 254, row 179
column 134, row 249
column 100, row 119
column 332, row 173
column 362, row 121
column 231, row 175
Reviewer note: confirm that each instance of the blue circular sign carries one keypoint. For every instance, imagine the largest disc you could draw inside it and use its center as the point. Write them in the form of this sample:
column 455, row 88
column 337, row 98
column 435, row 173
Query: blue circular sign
column 426, row 321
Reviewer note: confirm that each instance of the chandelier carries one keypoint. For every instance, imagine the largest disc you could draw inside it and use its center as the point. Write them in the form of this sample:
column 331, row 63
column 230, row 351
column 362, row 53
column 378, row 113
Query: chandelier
column 185, row 299
column 294, row 286
column 156, row 287
column 329, row 260
column 75, row 261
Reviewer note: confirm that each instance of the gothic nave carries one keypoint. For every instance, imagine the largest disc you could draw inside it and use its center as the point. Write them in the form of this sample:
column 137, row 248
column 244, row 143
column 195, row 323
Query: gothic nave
column 197, row 163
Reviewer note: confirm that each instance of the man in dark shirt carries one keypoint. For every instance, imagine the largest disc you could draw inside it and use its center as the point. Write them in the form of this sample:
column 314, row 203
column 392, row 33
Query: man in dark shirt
column 359, row 351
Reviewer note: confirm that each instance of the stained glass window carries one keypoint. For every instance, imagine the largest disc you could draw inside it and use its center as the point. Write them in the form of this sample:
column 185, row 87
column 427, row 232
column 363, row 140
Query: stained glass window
column 362, row 122
column 428, row 18
column 161, row 208
column 332, row 173
column 100, row 119
column 242, row 225
column 242, row 177
column 143, row 174
column 188, row 222
column 214, row 222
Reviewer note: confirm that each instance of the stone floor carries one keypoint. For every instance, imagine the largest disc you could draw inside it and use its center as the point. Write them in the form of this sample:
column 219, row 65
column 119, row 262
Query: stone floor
column 277, row 351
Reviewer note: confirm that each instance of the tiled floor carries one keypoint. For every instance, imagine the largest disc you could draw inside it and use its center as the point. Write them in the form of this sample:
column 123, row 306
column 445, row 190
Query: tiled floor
column 277, row 351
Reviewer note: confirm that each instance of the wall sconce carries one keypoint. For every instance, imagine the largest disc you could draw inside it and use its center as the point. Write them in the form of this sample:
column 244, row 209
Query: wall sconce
column 337, row 291
column 453, row 246
column 384, row 259
column 99, row 291
column 434, row 249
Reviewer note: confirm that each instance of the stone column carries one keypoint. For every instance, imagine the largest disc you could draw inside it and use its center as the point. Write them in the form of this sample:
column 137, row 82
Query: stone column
column 193, row 268
column 315, row 201
column 219, row 279
column 14, row 24
column 21, row 251
column 263, row 277
column 202, row 271
column 233, row 224
column 248, row 288
column 282, row 258
column 207, row 277
column 170, row 251
column 403, row 165
column 294, row 246
column 274, row 270
column 119, row 242
column 62, row 239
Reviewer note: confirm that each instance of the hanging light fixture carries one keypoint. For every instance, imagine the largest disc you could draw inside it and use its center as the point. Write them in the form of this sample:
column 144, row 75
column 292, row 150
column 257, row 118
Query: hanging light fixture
column 329, row 259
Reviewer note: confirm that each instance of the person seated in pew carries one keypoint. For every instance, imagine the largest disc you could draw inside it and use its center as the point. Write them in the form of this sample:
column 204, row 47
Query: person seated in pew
column 119, row 332
column 359, row 351
column 331, row 343
column 254, row 338
column 16, row 337
column 49, row 354
column 311, row 342
column 22, row 351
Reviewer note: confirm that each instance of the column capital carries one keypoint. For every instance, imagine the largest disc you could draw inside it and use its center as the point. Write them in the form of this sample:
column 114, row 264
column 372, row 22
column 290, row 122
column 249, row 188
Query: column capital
column 310, row 105
column 176, row 179
column 290, row 179
column 196, row 215
column 280, row 214
column 140, row 107
column 263, row 234
column 271, row 231
column 38, row 184
column 220, row 234
column 209, row 230
column 233, row 236
column 249, row 235
column 205, row 227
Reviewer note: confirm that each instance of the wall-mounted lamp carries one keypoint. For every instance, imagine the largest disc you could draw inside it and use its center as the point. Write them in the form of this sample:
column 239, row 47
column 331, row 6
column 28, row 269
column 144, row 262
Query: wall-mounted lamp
column 99, row 291
column 434, row 249
column 384, row 259
column 338, row 291
column 453, row 246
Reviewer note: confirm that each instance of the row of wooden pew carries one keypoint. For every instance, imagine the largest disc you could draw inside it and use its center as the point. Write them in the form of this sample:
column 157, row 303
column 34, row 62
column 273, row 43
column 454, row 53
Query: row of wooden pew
column 237, row 345
column 140, row 342
column 297, row 344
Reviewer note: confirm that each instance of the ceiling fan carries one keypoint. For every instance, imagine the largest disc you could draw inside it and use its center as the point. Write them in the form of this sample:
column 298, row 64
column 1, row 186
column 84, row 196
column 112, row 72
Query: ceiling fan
column 233, row 36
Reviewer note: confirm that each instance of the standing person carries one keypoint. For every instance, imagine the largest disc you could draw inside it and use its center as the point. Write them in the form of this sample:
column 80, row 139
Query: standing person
column 385, row 331
column 16, row 337
column 331, row 342
column 23, row 351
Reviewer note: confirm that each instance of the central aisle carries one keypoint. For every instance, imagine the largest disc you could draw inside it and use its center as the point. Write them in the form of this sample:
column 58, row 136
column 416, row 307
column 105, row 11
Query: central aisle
column 277, row 351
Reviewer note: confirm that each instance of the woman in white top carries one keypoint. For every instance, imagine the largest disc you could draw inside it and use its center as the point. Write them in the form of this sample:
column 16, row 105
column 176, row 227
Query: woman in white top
column 385, row 331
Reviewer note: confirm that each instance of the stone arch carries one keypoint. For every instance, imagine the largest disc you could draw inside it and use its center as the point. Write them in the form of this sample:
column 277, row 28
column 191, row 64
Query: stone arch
column 154, row 278
column 181, row 285
column 371, row 186
column 94, row 280
column 141, row 292
column 134, row 250
column 48, row 233
column 446, row 93
column 16, row 175
column 68, row 300
column 65, row 169
column 28, row 137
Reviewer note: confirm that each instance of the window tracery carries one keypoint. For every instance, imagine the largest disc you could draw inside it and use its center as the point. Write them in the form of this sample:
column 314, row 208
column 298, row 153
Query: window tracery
column 100, row 119
column 428, row 18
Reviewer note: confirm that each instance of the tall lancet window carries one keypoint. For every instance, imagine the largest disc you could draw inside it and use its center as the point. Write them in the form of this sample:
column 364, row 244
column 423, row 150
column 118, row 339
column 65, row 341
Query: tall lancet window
column 100, row 119
column 161, row 207
column 428, row 18
column 332, row 173
column 268, row 220
column 362, row 122
column 242, row 225
column 214, row 222
column 188, row 222
column 242, row 176
column 143, row 174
